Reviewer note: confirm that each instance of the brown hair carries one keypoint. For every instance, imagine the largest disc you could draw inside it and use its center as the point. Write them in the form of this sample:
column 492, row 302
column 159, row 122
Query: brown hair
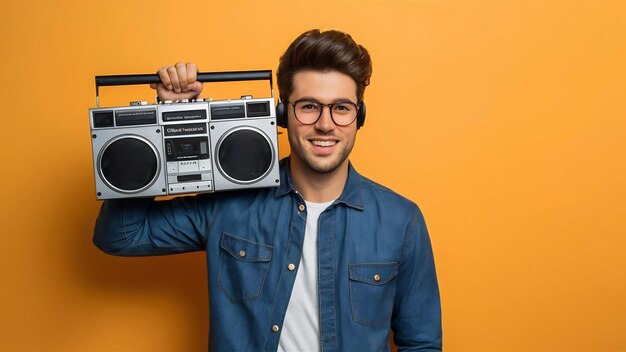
column 324, row 51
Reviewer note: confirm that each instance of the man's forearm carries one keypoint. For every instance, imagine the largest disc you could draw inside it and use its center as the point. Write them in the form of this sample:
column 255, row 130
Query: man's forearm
column 120, row 224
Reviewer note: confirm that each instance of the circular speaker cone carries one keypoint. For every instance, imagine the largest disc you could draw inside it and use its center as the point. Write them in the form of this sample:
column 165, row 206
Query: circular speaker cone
column 129, row 164
column 244, row 155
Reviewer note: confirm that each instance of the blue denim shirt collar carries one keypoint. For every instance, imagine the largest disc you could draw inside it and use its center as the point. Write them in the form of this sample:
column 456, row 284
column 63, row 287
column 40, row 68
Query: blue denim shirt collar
column 351, row 196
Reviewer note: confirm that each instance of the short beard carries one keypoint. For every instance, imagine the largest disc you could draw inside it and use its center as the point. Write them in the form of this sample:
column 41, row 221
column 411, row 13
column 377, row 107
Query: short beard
column 324, row 168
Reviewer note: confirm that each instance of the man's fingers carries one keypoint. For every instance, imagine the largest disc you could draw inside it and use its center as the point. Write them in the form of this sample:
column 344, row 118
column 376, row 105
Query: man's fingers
column 192, row 72
column 178, row 82
column 165, row 77
column 195, row 87
column 181, row 72
column 173, row 75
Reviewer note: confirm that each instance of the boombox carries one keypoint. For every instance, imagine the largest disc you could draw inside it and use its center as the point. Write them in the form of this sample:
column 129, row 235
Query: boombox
column 187, row 146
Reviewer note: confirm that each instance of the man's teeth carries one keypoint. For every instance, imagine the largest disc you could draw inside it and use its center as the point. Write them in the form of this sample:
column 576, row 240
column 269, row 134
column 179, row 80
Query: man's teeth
column 324, row 143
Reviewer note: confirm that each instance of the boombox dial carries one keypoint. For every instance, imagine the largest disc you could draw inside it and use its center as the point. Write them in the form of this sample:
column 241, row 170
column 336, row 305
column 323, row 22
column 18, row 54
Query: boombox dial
column 147, row 150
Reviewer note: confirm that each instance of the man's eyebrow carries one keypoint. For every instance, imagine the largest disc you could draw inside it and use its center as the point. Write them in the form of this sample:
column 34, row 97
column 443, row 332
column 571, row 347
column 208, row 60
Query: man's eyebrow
column 333, row 101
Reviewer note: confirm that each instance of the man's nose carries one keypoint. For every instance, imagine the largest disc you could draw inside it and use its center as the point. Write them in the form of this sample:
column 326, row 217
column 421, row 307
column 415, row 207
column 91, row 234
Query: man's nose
column 325, row 122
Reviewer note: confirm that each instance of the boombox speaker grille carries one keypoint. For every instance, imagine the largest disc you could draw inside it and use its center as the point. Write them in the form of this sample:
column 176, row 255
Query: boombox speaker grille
column 244, row 155
column 129, row 164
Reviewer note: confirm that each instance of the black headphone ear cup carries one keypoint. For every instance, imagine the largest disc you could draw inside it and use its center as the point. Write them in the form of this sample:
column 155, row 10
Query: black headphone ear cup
column 281, row 115
column 360, row 115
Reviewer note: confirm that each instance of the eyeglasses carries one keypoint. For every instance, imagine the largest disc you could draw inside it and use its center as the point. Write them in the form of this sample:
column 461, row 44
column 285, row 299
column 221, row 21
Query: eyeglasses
column 308, row 111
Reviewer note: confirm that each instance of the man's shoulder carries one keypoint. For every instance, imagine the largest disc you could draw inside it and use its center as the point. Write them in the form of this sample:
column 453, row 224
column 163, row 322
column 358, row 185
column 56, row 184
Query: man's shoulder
column 379, row 192
column 389, row 207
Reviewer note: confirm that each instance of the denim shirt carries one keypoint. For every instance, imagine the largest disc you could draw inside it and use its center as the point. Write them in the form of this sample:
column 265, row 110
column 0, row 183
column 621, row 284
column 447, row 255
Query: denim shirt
column 375, row 264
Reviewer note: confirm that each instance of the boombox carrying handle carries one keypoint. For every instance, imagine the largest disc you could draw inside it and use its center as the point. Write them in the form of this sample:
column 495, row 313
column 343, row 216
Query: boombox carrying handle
column 231, row 76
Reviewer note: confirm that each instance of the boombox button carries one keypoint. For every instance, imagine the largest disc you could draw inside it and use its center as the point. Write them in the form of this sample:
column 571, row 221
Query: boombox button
column 205, row 164
column 187, row 166
column 172, row 167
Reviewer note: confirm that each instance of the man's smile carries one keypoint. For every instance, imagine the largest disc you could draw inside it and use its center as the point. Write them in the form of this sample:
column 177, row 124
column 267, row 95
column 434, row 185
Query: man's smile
column 323, row 143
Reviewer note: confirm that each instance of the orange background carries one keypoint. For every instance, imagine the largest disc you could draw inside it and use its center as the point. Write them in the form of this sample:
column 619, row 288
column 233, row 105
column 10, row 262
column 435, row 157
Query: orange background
column 504, row 120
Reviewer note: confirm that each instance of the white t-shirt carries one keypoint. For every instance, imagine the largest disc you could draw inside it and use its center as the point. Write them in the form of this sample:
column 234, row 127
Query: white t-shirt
column 301, row 329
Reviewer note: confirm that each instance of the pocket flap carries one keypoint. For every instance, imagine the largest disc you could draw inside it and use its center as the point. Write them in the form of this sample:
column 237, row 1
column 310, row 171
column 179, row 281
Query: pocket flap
column 246, row 250
column 373, row 273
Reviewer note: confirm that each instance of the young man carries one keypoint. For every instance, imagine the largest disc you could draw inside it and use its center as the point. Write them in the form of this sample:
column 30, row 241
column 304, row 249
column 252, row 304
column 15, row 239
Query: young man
column 329, row 260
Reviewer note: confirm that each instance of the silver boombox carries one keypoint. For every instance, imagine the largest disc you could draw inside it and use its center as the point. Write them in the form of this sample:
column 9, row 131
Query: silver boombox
column 147, row 150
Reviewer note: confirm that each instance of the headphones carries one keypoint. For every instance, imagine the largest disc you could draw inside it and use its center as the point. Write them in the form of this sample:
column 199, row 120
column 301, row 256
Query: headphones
column 281, row 114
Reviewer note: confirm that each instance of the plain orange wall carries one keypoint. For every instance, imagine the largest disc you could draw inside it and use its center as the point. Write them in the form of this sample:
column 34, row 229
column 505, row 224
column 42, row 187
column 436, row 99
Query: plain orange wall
column 504, row 120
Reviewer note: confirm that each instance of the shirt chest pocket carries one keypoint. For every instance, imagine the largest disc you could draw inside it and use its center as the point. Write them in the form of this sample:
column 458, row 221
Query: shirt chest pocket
column 372, row 292
column 243, row 267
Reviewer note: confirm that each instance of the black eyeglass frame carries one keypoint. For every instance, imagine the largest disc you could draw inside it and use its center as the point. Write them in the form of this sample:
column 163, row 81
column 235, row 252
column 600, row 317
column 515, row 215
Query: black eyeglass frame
column 330, row 109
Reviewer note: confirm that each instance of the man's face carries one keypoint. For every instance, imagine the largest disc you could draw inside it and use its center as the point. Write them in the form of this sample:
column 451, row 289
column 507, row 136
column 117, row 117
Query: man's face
column 323, row 146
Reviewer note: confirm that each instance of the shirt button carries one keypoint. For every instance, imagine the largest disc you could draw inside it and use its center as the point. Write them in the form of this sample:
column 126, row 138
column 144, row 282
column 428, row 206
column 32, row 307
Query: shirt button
column 301, row 207
column 242, row 253
column 291, row 267
column 275, row 328
column 376, row 277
